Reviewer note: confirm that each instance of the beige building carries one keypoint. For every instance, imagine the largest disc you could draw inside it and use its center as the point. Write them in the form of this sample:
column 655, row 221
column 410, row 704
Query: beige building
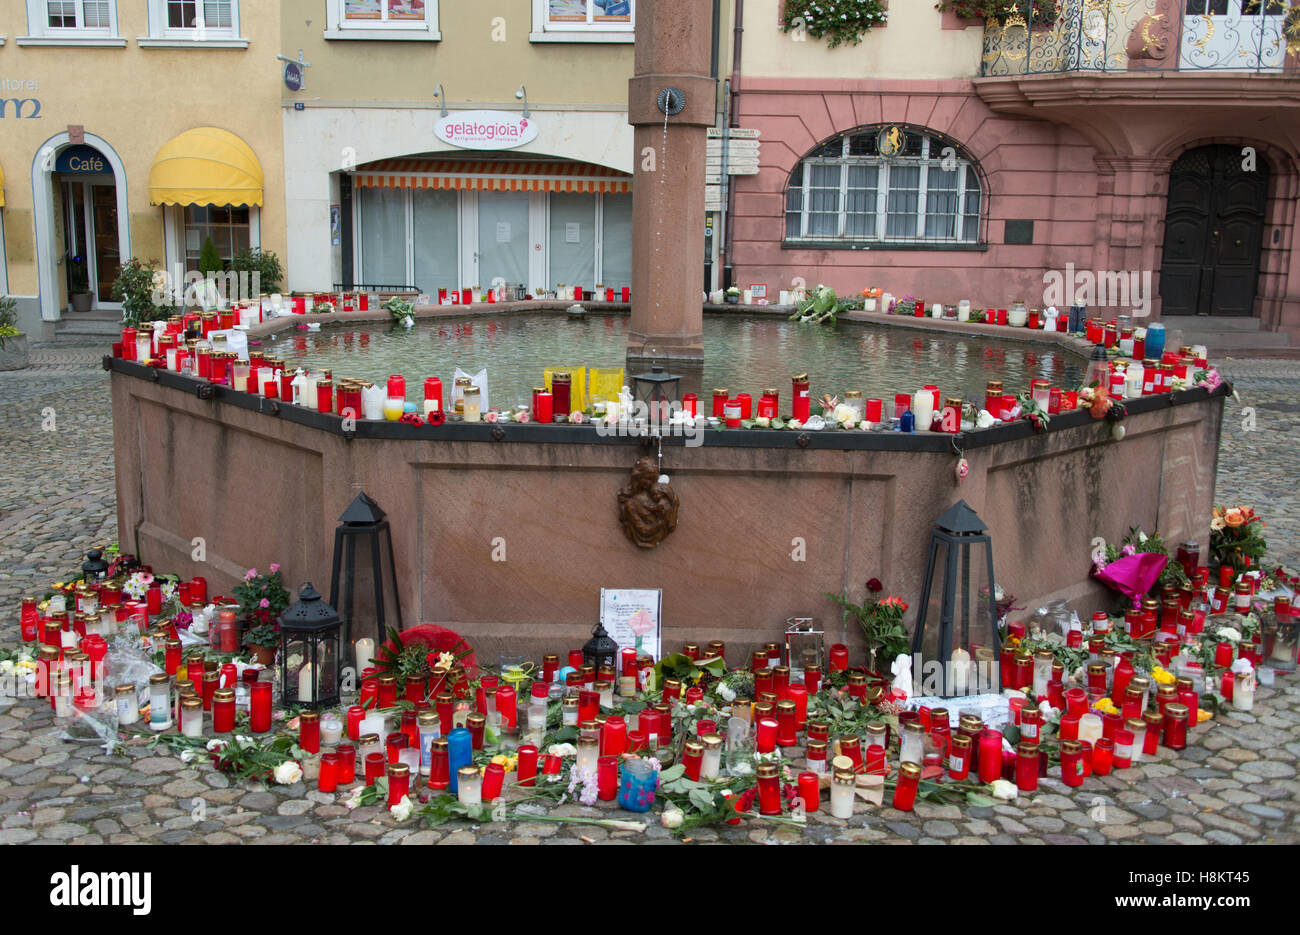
column 132, row 128
column 449, row 145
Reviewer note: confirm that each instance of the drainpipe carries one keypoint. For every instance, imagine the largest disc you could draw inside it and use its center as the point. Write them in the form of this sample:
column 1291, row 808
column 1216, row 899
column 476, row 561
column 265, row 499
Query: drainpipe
column 733, row 85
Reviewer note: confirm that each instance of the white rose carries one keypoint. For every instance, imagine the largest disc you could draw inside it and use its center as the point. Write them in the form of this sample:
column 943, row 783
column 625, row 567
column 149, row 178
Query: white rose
column 562, row 749
column 795, row 424
column 984, row 420
column 762, row 422
column 1229, row 634
column 402, row 810
column 1003, row 789
column 287, row 773
column 1243, row 667
column 726, row 693
column 354, row 800
column 216, row 746
column 843, row 413
column 6, row 667
column 188, row 755
column 672, row 818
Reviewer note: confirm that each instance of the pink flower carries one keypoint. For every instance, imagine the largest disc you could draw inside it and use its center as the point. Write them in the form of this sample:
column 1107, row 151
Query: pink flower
column 491, row 416
column 522, row 417
column 264, row 603
column 275, row 566
column 250, row 574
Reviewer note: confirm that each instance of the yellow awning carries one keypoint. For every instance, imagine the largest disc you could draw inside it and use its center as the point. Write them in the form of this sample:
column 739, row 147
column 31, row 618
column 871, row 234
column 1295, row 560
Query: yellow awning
column 205, row 166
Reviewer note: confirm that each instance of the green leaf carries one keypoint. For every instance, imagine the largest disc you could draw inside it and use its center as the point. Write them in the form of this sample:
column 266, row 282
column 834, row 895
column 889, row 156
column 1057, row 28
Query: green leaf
column 701, row 799
column 673, row 772
column 979, row 801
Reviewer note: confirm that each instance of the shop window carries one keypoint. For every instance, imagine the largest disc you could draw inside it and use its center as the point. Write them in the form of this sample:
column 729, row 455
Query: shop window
column 884, row 185
column 185, row 23
column 382, row 19
column 229, row 227
column 583, row 20
column 72, row 22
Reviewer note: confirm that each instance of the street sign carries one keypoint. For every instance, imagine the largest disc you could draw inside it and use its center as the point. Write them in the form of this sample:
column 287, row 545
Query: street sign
column 734, row 133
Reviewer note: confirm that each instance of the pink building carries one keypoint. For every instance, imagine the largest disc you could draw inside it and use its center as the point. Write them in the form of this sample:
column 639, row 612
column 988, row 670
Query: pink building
column 1144, row 153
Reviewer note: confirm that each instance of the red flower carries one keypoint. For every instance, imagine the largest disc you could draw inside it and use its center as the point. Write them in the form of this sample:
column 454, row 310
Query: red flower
column 874, row 586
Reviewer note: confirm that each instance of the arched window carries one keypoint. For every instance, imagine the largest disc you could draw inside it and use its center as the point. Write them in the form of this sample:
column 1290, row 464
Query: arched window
column 849, row 191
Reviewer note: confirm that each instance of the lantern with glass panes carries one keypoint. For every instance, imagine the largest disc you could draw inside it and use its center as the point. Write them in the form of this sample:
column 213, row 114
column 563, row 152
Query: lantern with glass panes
column 803, row 645
column 658, row 391
column 363, row 583
column 600, row 650
column 957, row 622
column 310, row 639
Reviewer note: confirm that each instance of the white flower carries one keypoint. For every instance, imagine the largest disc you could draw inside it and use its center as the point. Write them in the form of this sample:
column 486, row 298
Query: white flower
column 843, row 413
column 188, row 755
column 1003, row 789
column 402, row 809
column 6, row 667
column 1229, row 634
column 245, row 742
column 726, row 693
column 671, row 818
column 1243, row 667
column 763, row 422
column 216, row 746
column 447, row 659
column 795, row 424
column 287, row 773
column 562, row 749
column 354, row 800
column 984, row 419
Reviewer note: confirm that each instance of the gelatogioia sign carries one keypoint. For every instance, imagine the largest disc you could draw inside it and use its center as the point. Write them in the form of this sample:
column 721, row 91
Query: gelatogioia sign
column 485, row 129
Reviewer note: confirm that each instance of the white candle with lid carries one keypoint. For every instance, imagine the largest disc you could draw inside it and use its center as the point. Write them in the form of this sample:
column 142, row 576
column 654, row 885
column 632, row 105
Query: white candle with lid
column 923, row 409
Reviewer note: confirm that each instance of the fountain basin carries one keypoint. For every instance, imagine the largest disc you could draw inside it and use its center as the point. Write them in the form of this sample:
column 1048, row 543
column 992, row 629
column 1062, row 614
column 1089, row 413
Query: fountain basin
column 769, row 520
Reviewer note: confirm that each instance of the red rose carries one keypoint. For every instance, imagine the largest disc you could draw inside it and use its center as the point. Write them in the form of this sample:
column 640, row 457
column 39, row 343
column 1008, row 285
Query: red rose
column 874, row 586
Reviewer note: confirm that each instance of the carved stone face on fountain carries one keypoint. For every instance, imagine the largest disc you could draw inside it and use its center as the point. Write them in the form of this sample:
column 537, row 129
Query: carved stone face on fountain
column 647, row 509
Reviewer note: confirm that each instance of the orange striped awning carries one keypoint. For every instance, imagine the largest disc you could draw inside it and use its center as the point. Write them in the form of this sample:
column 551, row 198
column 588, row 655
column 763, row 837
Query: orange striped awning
column 493, row 176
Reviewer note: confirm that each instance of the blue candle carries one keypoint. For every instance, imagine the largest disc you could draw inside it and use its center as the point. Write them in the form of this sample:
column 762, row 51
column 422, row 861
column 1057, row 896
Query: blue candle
column 907, row 422
column 460, row 753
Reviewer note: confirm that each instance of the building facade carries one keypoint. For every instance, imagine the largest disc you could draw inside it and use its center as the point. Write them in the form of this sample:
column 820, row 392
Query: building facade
column 1151, row 145
column 132, row 128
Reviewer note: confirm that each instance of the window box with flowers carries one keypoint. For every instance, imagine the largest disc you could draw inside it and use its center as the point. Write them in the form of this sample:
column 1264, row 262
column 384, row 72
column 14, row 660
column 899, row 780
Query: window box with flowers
column 837, row 21
column 1036, row 12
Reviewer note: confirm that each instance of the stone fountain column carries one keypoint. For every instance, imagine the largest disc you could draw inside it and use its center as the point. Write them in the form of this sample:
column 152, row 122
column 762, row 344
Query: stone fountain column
column 672, row 67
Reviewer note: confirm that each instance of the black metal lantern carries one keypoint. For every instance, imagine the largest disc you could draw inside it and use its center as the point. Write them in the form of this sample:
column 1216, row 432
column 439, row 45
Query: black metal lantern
column 363, row 583
column 310, row 639
column 94, row 568
column 600, row 650
column 956, row 633
column 658, row 390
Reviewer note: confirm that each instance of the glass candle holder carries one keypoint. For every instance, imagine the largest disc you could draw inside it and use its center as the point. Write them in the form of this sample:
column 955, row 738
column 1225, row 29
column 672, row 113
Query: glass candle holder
column 843, row 784
column 990, row 755
column 693, row 759
column 636, row 791
column 959, row 757
column 1072, row 771
column 469, row 786
column 912, row 743
column 607, row 778
column 327, row 780
column 192, row 716
column 1103, row 754
column 399, row 782
column 309, row 731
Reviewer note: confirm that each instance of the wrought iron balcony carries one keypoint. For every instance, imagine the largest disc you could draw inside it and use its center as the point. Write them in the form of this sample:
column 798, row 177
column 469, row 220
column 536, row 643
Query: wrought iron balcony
column 1128, row 36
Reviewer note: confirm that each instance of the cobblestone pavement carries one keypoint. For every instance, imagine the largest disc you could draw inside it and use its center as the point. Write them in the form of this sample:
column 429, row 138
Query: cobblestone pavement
column 1235, row 783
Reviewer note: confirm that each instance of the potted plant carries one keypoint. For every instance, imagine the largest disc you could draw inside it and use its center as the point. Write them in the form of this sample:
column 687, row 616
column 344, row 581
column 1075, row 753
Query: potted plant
column 264, row 264
column 13, row 343
column 141, row 288
column 79, row 294
column 262, row 598
column 732, row 295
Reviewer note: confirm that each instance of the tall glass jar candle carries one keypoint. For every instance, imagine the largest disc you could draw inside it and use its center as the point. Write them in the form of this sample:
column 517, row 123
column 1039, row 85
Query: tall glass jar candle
column 159, row 701
column 769, row 789
column 469, row 786
column 192, row 716
column 127, row 704
column 909, row 775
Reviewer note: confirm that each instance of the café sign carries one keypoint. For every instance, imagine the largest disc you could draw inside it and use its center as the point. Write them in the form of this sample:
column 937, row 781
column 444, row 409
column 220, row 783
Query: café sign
column 485, row 129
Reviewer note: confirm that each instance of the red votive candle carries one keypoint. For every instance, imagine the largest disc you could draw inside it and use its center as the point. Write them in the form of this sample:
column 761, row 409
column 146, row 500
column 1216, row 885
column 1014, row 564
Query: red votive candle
column 765, row 737
column 1069, row 727
column 607, row 777
column 902, row 403
column 959, row 757
column 494, row 777
column 875, row 410
column 347, row 767
column 990, row 755
column 355, row 714
column 839, row 657
column 613, row 736
column 374, row 767
column 223, row 710
column 327, row 780
column 1103, row 756
column 1071, row 763
column 769, row 789
column 1027, row 767
column 309, row 731
column 874, row 760
column 399, row 782
column 394, row 744
column 909, row 774
column 259, row 707
column 527, row 765
column 809, row 791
